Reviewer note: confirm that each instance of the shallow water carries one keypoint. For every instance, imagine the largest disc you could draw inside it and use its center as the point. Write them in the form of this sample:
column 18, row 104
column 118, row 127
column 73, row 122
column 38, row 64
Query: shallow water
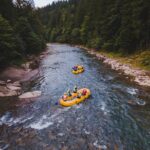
column 105, row 121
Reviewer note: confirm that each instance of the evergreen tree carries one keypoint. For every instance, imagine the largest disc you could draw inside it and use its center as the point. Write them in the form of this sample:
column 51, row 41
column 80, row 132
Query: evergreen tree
column 119, row 25
column 8, row 43
column 21, row 32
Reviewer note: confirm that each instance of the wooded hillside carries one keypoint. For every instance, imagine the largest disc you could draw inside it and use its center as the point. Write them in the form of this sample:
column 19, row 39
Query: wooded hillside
column 21, row 32
column 119, row 25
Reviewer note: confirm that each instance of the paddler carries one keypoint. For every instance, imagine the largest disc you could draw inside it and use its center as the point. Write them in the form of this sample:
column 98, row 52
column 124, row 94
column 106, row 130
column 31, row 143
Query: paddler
column 69, row 93
column 75, row 89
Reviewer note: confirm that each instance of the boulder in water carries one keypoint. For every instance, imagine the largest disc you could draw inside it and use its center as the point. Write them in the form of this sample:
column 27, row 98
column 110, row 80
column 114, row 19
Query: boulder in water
column 28, row 95
column 136, row 102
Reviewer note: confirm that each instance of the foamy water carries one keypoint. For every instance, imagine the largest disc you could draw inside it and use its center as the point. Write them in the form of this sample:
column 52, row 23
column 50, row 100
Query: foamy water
column 103, row 147
column 104, row 108
column 47, row 120
column 9, row 120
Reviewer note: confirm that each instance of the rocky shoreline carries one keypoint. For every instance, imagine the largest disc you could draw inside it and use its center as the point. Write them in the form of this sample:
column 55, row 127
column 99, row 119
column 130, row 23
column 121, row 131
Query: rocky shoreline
column 12, row 78
column 140, row 76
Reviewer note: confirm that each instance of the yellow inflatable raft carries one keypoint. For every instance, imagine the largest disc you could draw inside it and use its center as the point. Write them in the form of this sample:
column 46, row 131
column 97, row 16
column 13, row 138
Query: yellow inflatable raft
column 77, row 69
column 68, row 101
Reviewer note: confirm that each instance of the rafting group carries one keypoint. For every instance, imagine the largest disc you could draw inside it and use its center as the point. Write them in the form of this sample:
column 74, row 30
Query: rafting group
column 77, row 95
column 77, row 69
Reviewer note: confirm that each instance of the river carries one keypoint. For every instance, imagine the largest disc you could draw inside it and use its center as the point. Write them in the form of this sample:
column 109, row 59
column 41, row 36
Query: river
column 104, row 121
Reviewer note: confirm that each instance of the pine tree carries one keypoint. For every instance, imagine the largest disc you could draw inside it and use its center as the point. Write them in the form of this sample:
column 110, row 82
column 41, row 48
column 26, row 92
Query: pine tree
column 8, row 43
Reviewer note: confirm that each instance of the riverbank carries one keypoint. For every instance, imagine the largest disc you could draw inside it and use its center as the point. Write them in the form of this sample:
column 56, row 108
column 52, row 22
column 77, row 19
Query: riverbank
column 13, row 77
column 140, row 76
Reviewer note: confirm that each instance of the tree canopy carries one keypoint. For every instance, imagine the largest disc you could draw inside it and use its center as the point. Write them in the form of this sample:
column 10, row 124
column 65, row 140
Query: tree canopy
column 21, row 31
column 118, row 25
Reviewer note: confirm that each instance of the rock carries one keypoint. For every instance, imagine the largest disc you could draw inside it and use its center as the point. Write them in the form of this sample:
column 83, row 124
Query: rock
column 3, row 88
column 10, row 89
column 26, row 65
column 28, row 95
column 17, row 83
column 141, row 102
column 9, row 93
column 13, row 88
column 42, row 56
column 34, row 64
column 131, row 102
column 2, row 82
column 13, row 73
column 29, row 76
column 8, row 81
column 137, row 102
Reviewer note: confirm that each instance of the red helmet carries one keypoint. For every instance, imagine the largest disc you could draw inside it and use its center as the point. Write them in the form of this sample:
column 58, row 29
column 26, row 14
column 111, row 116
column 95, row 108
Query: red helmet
column 84, row 91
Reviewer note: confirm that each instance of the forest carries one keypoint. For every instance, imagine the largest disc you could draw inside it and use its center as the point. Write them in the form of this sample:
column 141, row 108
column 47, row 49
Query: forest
column 21, row 32
column 120, row 26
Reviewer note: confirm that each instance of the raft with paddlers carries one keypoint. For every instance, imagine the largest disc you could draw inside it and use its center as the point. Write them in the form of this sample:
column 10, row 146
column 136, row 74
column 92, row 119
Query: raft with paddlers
column 76, row 97
column 77, row 69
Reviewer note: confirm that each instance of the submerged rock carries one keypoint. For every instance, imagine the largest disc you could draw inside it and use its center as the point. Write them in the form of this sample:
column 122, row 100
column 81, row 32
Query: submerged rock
column 141, row 102
column 28, row 95
column 131, row 102
column 136, row 102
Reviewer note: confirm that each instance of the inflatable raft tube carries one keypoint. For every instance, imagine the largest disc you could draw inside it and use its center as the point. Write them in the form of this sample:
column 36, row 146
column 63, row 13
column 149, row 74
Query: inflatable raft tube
column 73, row 100
column 80, row 69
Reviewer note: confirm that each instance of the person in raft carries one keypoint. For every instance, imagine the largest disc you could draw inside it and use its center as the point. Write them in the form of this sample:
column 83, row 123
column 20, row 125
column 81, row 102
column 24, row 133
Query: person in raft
column 75, row 68
column 84, row 92
column 69, row 93
column 64, row 97
column 75, row 89
column 79, row 95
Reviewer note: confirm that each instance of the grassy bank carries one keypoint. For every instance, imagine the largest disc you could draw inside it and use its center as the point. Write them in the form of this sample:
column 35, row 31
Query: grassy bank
column 139, row 60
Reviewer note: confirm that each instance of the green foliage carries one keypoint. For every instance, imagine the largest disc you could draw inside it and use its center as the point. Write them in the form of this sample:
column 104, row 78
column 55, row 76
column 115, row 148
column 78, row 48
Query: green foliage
column 95, row 43
column 8, row 43
column 75, row 36
column 144, row 59
column 21, row 32
column 108, row 46
column 32, row 42
column 85, row 29
column 121, row 26
column 54, row 34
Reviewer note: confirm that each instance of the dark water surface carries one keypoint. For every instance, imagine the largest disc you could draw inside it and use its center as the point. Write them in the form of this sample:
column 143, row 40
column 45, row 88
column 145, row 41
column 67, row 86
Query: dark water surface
column 104, row 121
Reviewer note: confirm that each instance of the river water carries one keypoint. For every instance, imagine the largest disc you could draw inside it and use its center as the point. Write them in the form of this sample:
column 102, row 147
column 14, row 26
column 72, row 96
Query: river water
column 104, row 121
